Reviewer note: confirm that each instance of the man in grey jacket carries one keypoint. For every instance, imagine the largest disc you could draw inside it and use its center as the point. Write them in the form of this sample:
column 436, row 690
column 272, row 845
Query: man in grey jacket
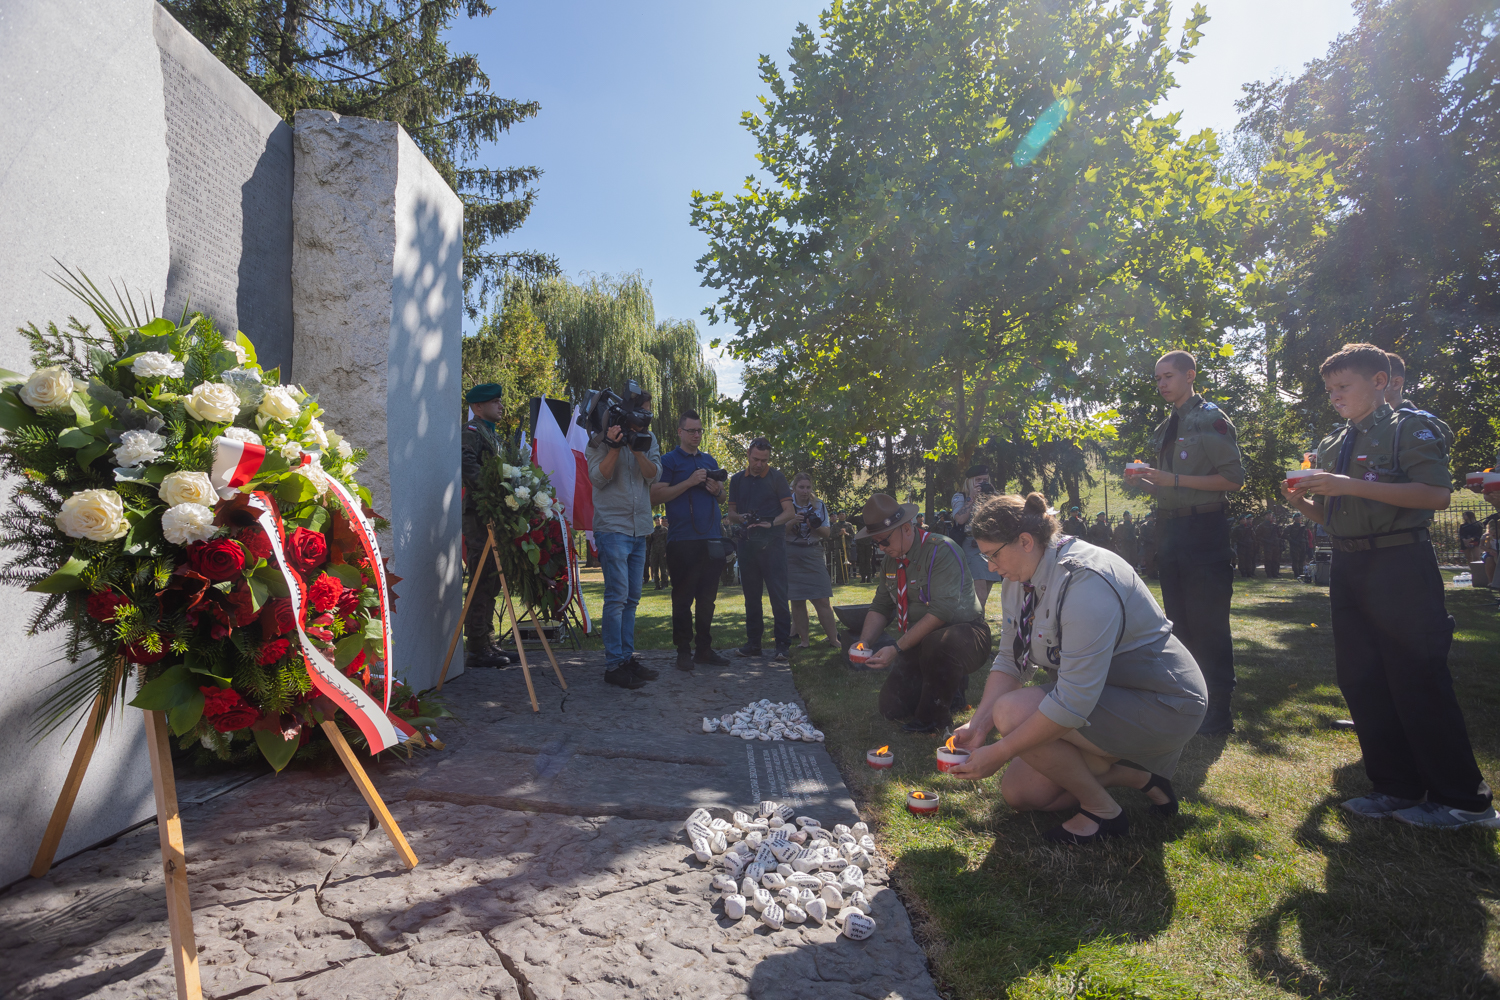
column 622, row 479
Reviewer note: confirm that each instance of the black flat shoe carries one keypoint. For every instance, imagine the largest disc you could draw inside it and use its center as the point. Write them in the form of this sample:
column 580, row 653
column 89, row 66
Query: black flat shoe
column 1117, row 826
column 1169, row 807
column 917, row 727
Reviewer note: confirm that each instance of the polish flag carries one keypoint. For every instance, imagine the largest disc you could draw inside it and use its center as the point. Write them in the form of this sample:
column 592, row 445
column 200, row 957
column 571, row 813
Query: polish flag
column 235, row 464
column 581, row 513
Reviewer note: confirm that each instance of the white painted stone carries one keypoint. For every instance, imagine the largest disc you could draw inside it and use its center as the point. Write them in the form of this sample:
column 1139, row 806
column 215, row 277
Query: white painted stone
column 858, row 926
column 817, row 910
column 760, row 899
column 795, row 914
column 734, row 906
column 858, row 901
column 773, row 916
column 831, row 895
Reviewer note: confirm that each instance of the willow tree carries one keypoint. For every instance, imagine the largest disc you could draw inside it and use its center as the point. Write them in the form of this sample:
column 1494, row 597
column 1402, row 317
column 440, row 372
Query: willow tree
column 390, row 59
column 512, row 349
column 971, row 211
column 606, row 333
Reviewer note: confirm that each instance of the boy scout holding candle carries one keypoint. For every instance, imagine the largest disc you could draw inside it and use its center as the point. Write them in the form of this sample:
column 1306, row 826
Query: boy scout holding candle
column 1198, row 462
column 1385, row 473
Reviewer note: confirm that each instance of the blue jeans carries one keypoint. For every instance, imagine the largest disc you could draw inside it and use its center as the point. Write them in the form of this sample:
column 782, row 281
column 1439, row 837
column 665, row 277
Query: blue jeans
column 624, row 560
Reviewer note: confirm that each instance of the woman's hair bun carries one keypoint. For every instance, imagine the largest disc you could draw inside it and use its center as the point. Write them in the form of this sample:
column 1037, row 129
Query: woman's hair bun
column 1036, row 503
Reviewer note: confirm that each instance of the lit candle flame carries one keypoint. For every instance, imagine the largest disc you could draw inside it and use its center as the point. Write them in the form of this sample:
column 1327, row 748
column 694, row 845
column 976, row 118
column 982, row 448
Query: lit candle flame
column 919, row 795
column 949, row 745
column 883, row 751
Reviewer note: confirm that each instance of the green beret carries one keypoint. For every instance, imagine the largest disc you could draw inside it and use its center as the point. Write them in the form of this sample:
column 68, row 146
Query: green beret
column 484, row 392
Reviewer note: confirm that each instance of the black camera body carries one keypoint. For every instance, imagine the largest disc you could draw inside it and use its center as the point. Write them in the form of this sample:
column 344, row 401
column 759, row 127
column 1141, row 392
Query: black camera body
column 984, row 486
column 814, row 522
column 603, row 410
column 718, row 475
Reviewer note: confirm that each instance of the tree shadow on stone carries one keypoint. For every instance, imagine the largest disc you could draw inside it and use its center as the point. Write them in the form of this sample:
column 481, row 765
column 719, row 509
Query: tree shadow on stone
column 1404, row 912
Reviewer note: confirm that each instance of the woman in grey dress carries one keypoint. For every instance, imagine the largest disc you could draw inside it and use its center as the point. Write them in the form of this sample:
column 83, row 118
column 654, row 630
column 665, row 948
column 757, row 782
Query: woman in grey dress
column 1121, row 687
column 806, row 569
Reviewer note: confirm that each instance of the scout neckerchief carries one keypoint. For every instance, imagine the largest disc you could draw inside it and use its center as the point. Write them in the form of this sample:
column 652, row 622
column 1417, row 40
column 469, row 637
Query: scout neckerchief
column 901, row 564
column 1023, row 627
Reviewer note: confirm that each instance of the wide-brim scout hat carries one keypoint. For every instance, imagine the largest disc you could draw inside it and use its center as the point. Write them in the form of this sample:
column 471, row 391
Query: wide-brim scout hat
column 882, row 513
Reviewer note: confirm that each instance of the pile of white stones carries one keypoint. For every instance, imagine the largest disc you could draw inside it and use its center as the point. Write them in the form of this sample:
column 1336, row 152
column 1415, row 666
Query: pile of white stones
column 766, row 720
column 788, row 871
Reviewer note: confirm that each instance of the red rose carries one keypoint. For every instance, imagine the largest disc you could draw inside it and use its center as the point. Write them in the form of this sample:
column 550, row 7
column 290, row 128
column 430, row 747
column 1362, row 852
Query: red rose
column 226, row 711
column 254, row 539
column 277, row 617
column 273, row 650
column 306, row 550
column 219, row 560
column 136, row 652
column 104, row 604
column 325, row 592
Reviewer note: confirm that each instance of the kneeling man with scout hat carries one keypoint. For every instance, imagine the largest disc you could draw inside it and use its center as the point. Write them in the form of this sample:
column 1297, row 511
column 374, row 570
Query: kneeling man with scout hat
column 926, row 589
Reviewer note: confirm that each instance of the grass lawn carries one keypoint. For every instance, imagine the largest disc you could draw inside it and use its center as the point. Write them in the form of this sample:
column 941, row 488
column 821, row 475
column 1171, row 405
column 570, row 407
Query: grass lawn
column 1261, row 888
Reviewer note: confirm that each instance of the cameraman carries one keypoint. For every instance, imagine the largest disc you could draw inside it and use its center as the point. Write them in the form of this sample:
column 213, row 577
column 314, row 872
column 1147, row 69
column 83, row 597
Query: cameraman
column 622, row 474
column 695, row 544
column 976, row 484
column 765, row 499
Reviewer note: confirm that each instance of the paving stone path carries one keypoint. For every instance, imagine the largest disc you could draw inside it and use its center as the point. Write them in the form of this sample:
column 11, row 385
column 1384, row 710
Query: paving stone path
column 553, row 865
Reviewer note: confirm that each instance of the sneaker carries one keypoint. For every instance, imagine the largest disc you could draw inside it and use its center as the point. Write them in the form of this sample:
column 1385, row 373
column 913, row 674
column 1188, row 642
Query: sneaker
column 623, row 676
column 684, row 663
column 709, row 658
column 781, row 655
column 1376, row 805
column 748, row 651
column 640, row 669
column 1437, row 816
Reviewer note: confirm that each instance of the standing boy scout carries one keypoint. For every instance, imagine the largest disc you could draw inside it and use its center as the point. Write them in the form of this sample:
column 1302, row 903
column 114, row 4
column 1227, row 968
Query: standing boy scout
column 1197, row 463
column 1395, row 398
column 480, row 447
column 1387, row 471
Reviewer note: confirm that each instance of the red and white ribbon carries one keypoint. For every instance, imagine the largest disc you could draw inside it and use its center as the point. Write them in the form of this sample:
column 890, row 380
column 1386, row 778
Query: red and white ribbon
column 380, row 730
column 365, row 531
column 235, row 464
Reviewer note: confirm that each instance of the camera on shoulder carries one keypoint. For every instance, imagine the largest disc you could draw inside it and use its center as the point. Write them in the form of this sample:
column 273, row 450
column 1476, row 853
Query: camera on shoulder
column 603, row 409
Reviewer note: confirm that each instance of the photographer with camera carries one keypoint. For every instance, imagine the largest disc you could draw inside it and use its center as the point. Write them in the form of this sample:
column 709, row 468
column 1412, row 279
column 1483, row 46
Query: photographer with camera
column 807, row 576
column 690, row 485
column 761, row 501
column 623, row 460
column 976, row 484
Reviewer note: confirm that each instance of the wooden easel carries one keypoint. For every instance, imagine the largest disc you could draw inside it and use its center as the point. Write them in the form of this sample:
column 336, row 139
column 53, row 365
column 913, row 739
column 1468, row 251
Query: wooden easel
column 169, row 825
column 491, row 548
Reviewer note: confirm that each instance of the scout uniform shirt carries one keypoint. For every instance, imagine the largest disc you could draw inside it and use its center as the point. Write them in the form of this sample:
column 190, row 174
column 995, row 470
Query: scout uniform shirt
column 1448, row 437
column 479, row 448
column 937, row 582
column 1201, row 443
column 1370, row 451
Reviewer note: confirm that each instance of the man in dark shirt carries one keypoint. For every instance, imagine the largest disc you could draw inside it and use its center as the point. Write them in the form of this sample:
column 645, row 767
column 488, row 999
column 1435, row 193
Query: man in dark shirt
column 761, row 501
column 695, row 546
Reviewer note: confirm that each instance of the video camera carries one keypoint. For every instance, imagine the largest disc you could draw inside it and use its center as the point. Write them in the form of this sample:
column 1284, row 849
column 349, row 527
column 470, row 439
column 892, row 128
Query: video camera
column 603, row 410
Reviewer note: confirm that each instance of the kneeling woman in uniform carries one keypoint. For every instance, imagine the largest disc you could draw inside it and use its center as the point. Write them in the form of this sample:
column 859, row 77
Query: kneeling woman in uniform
column 1120, row 687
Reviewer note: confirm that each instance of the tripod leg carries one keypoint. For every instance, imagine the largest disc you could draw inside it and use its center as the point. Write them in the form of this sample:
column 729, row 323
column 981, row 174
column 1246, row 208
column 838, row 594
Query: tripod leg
column 173, row 858
column 372, row 797
column 515, row 628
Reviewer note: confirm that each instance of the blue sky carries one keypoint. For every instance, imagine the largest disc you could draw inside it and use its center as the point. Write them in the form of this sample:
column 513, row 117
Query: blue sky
column 641, row 105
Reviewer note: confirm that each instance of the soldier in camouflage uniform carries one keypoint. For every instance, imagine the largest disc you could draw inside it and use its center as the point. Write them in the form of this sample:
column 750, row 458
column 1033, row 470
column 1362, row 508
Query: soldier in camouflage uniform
column 1198, row 462
column 1243, row 539
column 1268, row 541
column 480, row 447
column 657, row 554
column 1295, row 535
column 1127, row 539
column 1386, row 471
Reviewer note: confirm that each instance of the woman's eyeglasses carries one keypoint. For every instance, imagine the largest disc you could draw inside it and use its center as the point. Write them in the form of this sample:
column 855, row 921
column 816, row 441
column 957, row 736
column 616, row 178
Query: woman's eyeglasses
column 990, row 559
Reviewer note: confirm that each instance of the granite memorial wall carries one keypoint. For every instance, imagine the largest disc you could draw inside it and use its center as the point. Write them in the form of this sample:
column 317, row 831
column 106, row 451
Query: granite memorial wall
column 135, row 156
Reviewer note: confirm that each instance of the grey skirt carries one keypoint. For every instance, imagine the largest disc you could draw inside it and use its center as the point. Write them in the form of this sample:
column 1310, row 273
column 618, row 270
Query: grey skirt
column 1150, row 728
column 806, row 573
column 979, row 569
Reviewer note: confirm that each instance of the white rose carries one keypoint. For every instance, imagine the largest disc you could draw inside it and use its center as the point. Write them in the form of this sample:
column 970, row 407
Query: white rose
column 509, row 471
column 213, row 402
column 278, row 404
column 522, row 493
column 315, row 428
column 543, row 500
column 137, row 448
column 187, row 523
column 98, row 515
column 234, row 348
column 511, row 503
column 154, row 364
column 291, row 451
column 187, row 487
column 47, row 389
column 345, row 452
column 242, row 434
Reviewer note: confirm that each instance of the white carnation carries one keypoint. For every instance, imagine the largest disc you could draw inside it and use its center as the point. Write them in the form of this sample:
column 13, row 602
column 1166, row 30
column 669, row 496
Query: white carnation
column 291, row 451
column 234, row 348
column 98, row 515
column 316, row 475
column 244, row 434
column 155, row 364
column 511, row 503
column 213, row 402
column 522, row 493
column 136, row 448
column 278, row 404
column 187, row 523
column 47, row 389
column 187, row 487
